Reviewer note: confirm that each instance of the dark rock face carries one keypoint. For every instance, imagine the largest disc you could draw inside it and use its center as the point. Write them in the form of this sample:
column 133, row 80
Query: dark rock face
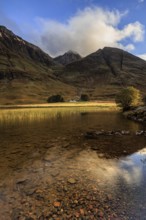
column 109, row 66
column 68, row 57
column 10, row 43
column 26, row 72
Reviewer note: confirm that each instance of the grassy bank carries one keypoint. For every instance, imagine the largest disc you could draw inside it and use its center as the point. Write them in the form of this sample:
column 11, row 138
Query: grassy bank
column 99, row 104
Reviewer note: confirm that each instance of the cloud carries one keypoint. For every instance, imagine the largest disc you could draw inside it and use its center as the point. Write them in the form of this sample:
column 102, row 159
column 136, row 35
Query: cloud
column 140, row 1
column 87, row 31
column 142, row 56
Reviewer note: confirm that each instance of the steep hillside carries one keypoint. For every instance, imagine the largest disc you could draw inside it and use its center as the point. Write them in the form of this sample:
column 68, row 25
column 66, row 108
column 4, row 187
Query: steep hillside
column 26, row 72
column 102, row 73
column 28, row 75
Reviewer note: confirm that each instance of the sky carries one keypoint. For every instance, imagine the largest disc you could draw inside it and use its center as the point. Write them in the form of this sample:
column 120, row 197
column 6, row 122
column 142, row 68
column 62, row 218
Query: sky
column 83, row 26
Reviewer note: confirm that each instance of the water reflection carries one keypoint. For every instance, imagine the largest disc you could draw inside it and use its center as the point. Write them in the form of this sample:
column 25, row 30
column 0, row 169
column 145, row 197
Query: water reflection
column 46, row 146
column 110, row 171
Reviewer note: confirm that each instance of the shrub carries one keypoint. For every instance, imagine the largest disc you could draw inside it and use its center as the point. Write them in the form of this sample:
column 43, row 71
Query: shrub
column 128, row 97
column 55, row 98
column 84, row 97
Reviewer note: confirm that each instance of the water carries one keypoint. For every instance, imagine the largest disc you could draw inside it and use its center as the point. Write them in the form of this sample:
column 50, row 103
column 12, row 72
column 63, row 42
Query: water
column 40, row 149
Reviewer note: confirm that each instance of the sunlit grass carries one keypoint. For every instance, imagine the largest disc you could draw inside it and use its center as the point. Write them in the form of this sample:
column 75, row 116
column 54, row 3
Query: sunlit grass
column 65, row 104
column 42, row 112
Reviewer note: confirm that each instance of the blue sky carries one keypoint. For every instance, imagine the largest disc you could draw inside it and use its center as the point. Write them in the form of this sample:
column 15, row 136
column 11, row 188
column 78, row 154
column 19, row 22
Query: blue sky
column 80, row 25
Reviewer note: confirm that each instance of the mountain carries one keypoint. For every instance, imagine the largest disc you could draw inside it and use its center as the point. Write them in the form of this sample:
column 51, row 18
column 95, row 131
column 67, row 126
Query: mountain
column 103, row 73
column 26, row 72
column 68, row 57
column 10, row 43
column 29, row 75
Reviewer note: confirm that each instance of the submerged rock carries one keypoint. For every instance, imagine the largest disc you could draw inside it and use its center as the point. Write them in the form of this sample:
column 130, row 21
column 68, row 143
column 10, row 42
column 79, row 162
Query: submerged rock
column 138, row 114
column 141, row 132
column 125, row 132
column 95, row 134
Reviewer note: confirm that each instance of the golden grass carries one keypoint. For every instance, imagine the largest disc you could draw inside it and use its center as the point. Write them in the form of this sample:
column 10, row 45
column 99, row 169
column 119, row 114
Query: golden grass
column 32, row 113
column 99, row 104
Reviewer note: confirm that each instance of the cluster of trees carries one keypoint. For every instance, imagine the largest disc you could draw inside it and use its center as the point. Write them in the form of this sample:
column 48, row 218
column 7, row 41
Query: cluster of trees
column 55, row 98
column 128, row 98
column 59, row 98
column 84, row 97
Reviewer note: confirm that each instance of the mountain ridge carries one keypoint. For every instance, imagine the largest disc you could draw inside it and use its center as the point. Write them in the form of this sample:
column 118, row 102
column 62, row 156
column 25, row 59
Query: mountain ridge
column 26, row 72
column 106, row 71
column 9, row 40
column 29, row 75
column 68, row 57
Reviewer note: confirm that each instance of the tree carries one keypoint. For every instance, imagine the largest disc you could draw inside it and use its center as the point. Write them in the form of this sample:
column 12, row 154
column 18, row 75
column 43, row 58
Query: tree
column 84, row 97
column 55, row 98
column 128, row 97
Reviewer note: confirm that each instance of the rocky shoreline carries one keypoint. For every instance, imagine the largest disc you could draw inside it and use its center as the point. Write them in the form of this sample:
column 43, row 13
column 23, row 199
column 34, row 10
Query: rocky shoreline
column 96, row 134
column 138, row 114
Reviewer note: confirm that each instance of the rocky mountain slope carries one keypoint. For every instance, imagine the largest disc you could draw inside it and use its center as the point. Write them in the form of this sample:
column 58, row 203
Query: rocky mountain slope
column 28, row 75
column 26, row 72
column 67, row 58
column 10, row 43
column 102, row 73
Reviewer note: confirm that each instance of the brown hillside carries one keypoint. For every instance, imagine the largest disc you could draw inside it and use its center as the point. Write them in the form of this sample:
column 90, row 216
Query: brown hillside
column 26, row 72
column 104, row 72
column 28, row 75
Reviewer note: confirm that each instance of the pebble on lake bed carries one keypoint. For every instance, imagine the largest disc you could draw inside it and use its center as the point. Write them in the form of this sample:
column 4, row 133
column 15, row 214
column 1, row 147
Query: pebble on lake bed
column 71, row 181
column 57, row 204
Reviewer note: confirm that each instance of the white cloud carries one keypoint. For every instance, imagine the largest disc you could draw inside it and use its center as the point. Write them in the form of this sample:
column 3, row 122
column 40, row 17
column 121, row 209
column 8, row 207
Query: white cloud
column 140, row 1
column 142, row 56
column 134, row 30
column 87, row 31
